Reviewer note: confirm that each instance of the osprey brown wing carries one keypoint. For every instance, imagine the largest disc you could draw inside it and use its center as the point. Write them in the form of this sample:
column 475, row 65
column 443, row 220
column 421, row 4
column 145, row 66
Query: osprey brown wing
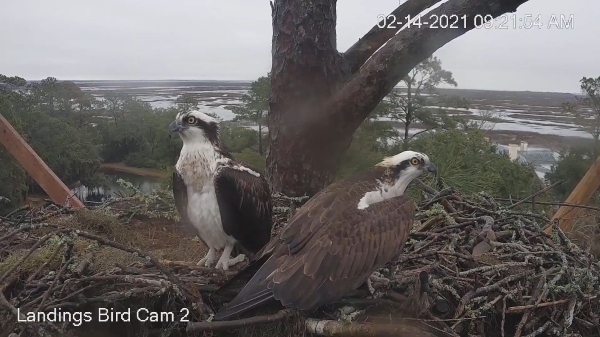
column 329, row 249
column 245, row 206
column 181, row 201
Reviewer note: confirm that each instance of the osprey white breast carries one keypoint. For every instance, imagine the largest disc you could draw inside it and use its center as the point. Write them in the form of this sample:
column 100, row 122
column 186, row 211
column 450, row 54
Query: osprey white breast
column 227, row 203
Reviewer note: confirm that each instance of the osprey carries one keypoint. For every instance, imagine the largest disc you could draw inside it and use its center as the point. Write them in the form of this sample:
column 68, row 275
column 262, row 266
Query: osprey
column 337, row 240
column 227, row 203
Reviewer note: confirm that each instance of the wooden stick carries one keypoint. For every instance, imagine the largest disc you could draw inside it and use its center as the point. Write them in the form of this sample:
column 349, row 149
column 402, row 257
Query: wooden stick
column 350, row 329
column 239, row 323
column 580, row 195
column 521, row 308
column 535, row 194
column 556, row 203
column 35, row 166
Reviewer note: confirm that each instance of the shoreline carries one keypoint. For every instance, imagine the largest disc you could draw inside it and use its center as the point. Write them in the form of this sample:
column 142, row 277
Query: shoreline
column 122, row 167
column 37, row 199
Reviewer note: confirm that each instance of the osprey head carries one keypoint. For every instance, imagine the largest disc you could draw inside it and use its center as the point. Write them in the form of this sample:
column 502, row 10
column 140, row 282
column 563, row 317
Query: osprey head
column 408, row 165
column 398, row 171
column 195, row 126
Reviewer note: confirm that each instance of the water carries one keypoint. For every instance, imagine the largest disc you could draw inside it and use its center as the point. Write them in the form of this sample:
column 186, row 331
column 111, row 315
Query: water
column 520, row 111
column 213, row 96
column 113, row 189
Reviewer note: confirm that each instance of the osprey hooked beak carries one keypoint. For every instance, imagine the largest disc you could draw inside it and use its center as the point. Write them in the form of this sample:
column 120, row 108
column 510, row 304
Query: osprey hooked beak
column 431, row 168
column 176, row 127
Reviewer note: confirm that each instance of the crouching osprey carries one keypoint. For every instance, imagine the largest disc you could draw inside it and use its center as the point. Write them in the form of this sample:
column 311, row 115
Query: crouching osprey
column 334, row 242
column 227, row 203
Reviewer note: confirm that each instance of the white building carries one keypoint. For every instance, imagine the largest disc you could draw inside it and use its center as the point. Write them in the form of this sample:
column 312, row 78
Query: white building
column 541, row 159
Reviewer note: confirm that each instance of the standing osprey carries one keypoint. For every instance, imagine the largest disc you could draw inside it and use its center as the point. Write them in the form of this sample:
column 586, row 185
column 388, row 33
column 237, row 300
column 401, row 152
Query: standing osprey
column 335, row 242
column 225, row 201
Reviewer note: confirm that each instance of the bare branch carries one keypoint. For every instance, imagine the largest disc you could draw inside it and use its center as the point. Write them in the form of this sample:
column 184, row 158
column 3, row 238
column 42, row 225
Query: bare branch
column 337, row 328
column 420, row 132
column 365, row 89
column 240, row 323
column 360, row 51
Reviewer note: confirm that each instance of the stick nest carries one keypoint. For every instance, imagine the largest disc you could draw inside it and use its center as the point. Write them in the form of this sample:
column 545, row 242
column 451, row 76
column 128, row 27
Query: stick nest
column 471, row 267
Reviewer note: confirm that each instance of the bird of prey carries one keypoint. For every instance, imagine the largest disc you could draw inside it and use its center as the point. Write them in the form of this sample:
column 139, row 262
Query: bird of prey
column 336, row 241
column 225, row 201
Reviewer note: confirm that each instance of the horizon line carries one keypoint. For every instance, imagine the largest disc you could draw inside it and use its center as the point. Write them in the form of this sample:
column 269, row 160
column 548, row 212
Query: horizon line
column 242, row 80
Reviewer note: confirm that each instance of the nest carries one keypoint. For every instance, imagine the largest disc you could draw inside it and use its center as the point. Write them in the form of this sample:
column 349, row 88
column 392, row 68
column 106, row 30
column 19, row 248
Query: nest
column 471, row 267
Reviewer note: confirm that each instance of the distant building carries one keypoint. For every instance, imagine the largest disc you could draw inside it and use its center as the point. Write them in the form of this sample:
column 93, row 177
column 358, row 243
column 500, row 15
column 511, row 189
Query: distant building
column 541, row 159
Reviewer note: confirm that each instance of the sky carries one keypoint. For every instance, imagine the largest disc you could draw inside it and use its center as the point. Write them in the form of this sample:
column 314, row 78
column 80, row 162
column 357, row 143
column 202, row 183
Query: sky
column 231, row 40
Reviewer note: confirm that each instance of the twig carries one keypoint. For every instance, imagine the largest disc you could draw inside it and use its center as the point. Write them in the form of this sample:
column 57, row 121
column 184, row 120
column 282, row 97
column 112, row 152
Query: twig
column 51, row 288
column 352, row 329
column 31, row 250
column 521, row 308
column 535, row 194
column 185, row 292
column 43, row 267
column 240, row 323
column 558, row 203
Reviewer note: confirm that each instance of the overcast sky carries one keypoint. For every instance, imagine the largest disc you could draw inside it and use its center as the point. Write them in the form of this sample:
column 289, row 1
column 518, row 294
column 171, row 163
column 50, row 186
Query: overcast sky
column 231, row 40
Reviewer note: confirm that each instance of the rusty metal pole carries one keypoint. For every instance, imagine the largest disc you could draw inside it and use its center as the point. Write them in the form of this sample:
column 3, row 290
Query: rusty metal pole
column 35, row 166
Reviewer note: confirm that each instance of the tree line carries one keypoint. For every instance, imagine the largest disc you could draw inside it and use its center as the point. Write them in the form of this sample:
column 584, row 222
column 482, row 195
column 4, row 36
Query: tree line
column 75, row 132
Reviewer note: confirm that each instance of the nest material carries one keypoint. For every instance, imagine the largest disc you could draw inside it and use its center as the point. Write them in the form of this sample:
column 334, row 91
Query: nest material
column 470, row 268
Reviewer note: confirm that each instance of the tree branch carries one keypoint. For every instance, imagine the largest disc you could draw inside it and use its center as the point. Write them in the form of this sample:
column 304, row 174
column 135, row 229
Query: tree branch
column 240, row 323
column 420, row 132
column 337, row 328
column 365, row 89
column 360, row 51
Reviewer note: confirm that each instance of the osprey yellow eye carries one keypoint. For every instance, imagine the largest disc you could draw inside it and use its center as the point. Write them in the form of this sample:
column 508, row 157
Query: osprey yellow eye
column 191, row 120
column 414, row 161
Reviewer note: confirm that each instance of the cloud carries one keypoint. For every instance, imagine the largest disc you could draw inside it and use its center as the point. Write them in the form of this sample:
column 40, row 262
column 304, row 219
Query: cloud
column 186, row 39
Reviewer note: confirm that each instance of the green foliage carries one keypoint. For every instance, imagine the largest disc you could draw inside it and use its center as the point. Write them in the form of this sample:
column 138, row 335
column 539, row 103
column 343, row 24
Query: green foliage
column 238, row 138
column 586, row 110
column 140, row 139
column 570, row 168
column 12, row 176
column 369, row 146
column 467, row 161
column 157, row 204
column 73, row 133
column 255, row 107
column 186, row 102
column 52, row 118
column 416, row 107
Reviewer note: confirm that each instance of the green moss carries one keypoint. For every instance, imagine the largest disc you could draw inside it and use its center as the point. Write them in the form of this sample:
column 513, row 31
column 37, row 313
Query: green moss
column 34, row 261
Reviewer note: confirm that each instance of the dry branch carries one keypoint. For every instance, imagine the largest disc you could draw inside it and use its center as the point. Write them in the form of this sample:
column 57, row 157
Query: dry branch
column 521, row 308
column 351, row 329
column 240, row 323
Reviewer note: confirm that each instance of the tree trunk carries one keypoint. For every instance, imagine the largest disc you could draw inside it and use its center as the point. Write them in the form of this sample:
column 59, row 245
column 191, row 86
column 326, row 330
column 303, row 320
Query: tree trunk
column 409, row 115
column 406, row 128
column 306, row 70
column 260, row 147
column 319, row 96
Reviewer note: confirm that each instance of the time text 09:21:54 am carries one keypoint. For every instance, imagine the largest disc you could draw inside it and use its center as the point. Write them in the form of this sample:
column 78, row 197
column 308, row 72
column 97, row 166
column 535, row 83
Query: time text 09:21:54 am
column 504, row 21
